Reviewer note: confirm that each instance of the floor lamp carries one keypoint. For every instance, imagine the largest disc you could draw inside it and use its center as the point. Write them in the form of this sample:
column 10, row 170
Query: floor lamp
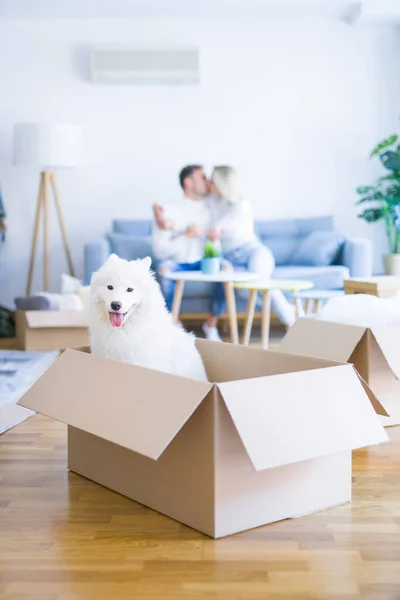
column 47, row 147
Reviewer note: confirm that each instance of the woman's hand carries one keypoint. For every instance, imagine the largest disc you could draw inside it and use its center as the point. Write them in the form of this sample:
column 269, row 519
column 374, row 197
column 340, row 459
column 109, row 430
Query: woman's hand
column 213, row 234
column 194, row 231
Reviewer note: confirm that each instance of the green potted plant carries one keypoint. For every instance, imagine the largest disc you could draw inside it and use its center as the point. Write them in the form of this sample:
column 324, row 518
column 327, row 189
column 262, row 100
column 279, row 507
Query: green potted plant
column 382, row 200
column 211, row 262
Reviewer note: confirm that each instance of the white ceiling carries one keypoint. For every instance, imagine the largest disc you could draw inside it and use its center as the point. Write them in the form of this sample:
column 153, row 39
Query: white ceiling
column 386, row 10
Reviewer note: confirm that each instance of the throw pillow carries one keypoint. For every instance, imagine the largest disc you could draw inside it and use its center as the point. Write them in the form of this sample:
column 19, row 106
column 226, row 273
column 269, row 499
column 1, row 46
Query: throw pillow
column 130, row 247
column 70, row 302
column 50, row 301
column 69, row 284
column 319, row 249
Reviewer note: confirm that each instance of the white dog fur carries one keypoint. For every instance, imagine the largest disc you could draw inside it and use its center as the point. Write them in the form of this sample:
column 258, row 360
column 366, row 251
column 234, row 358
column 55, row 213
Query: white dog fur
column 129, row 321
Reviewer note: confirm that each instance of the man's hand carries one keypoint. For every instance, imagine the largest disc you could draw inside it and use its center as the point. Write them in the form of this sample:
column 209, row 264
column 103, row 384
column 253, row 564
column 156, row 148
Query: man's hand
column 194, row 231
column 213, row 234
column 161, row 220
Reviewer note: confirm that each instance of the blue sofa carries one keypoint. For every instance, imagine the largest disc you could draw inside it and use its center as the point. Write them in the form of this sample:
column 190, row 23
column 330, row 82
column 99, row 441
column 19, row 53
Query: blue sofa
column 132, row 239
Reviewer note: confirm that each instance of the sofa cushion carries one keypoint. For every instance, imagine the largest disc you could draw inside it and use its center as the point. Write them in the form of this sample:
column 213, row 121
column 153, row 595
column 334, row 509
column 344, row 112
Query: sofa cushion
column 132, row 227
column 130, row 247
column 323, row 278
column 319, row 249
column 281, row 248
column 284, row 236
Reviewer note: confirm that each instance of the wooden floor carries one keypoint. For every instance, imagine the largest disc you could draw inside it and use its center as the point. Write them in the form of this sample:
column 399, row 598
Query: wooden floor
column 63, row 537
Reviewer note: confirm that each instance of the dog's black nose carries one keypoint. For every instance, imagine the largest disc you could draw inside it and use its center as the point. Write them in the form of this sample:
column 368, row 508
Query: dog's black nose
column 116, row 305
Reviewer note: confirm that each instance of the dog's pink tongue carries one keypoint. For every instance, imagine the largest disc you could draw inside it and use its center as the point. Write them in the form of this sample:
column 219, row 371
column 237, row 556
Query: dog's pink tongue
column 116, row 319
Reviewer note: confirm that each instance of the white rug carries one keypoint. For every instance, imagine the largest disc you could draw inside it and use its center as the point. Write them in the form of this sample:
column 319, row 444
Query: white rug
column 18, row 371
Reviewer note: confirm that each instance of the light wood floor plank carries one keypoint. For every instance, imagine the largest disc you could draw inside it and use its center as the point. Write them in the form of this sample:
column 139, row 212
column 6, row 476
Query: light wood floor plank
column 63, row 537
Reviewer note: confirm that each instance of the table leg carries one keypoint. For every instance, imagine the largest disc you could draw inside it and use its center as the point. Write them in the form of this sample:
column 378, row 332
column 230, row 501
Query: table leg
column 177, row 301
column 265, row 318
column 249, row 317
column 307, row 306
column 231, row 304
column 317, row 306
column 298, row 305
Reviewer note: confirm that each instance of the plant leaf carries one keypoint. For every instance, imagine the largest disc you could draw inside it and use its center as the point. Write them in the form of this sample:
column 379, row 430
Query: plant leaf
column 377, row 197
column 371, row 215
column 391, row 160
column 392, row 194
column 391, row 177
column 384, row 144
column 365, row 189
column 210, row 251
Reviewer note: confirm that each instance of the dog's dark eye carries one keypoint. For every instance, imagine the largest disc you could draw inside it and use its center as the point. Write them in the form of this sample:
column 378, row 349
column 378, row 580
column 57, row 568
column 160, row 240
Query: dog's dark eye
column 110, row 287
column 129, row 290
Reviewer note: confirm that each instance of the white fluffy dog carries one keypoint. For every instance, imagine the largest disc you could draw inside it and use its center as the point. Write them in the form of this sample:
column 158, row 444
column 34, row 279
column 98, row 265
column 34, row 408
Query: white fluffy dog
column 129, row 321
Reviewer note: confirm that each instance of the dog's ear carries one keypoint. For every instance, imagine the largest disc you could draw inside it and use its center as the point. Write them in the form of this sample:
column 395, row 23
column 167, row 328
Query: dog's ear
column 146, row 262
column 112, row 258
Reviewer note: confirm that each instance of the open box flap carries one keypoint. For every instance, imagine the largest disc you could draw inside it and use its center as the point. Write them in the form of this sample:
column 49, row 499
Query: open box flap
column 284, row 419
column 387, row 339
column 228, row 362
column 38, row 319
column 139, row 409
column 322, row 339
column 378, row 408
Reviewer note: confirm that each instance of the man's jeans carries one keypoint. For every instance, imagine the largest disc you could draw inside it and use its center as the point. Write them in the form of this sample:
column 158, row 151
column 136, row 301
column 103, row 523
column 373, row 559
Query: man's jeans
column 258, row 258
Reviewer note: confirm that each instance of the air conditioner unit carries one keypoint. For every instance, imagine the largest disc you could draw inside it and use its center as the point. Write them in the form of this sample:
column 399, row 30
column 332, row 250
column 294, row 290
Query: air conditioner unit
column 127, row 65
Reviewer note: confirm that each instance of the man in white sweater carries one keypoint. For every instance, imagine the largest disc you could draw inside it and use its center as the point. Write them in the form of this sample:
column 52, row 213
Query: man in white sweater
column 180, row 230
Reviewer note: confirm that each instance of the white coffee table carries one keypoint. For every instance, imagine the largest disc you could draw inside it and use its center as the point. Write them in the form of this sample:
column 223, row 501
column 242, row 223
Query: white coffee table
column 228, row 278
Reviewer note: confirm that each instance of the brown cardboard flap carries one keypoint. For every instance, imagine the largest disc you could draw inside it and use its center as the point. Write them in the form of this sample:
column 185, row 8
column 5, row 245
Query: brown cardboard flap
column 388, row 339
column 374, row 400
column 285, row 419
column 56, row 318
column 139, row 409
column 228, row 362
column 322, row 339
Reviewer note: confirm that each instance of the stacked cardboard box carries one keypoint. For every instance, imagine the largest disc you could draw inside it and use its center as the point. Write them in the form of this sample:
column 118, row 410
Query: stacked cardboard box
column 51, row 330
column 373, row 351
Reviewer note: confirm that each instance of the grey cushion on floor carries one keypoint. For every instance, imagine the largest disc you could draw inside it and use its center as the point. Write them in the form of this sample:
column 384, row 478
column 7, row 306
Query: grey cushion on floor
column 33, row 303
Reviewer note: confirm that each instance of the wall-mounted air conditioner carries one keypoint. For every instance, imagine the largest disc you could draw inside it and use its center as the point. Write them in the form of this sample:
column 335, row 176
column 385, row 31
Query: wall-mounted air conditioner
column 144, row 65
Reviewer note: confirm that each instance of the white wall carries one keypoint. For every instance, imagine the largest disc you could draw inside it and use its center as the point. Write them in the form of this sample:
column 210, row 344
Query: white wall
column 294, row 105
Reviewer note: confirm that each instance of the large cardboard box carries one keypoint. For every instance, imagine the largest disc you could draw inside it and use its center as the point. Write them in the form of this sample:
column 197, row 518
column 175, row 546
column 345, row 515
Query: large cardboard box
column 373, row 351
column 51, row 329
column 269, row 438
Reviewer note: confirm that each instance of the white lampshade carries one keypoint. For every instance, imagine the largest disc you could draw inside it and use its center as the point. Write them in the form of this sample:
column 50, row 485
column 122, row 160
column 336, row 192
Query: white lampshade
column 47, row 146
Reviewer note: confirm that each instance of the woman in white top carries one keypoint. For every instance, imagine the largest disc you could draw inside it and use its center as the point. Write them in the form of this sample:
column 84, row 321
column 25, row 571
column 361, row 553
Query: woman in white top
column 234, row 227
